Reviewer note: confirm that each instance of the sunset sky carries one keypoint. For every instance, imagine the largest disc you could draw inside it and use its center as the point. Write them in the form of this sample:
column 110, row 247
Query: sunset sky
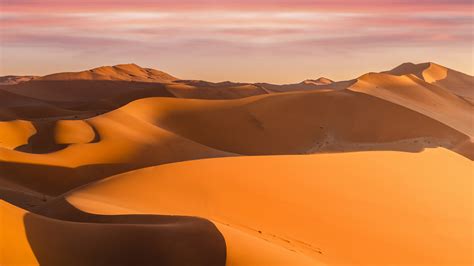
column 242, row 40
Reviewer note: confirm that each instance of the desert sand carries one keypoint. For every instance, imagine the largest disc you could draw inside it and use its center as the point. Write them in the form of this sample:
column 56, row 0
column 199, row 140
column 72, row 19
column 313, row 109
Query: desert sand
column 124, row 165
column 305, row 207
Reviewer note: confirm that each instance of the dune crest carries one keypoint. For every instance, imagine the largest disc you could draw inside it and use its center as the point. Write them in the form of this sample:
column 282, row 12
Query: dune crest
column 11, row 80
column 127, row 72
column 454, row 81
column 110, row 240
column 319, row 81
column 15, row 133
column 413, row 93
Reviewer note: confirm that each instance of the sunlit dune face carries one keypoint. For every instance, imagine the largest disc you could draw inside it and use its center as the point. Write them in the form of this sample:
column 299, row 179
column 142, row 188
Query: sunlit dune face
column 273, row 41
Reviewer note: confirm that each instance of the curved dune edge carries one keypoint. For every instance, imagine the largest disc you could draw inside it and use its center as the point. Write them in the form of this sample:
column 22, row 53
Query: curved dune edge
column 242, row 246
column 413, row 93
column 443, row 77
column 74, row 132
column 17, row 248
column 126, row 143
column 294, row 123
column 127, row 72
column 336, row 208
column 155, row 131
column 14, row 247
column 15, row 133
column 31, row 239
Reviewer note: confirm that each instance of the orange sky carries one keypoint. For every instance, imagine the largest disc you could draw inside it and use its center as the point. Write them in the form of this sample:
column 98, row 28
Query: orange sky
column 241, row 40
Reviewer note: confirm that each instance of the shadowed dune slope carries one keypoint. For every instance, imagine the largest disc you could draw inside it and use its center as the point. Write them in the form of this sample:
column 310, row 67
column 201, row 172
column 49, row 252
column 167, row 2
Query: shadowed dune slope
column 154, row 131
column 106, row 88
column 452, row 80
column 321, row 84
column 14, row 106
column 73, row 93
column 319, row 206
column 301, row 122
column 413, row 93
column 30, row 239
column 197, row 89
column 116, row 142
column 244, row 248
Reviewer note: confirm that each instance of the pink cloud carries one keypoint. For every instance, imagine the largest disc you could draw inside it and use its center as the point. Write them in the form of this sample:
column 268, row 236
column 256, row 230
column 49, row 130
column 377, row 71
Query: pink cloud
column 231, row 28
column 328, row 5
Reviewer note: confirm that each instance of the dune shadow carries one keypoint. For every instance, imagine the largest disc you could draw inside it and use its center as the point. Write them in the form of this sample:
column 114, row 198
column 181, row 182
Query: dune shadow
column 64, row 235
column 70, row 93
column 43, row 140
column 462, row 85
column 77, row 99
column 97, row 137
column 55, row 180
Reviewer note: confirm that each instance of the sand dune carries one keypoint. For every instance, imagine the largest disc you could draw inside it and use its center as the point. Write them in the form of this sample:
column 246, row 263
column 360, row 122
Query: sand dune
column 108, row 144
column 197, row 89
column 14, row 106
column 411, row 92
column 126, row 72
column 108, row 240
column 301, row 122
column 319, row 81
column 91, row 92
column 15, row 133
column 312, row 205
column 74, row 132
column 452, row 80
column 10, row 80
column 154, row 131
column 107, row 88
column 321, row 84
column 76, row 92
column 121, row 164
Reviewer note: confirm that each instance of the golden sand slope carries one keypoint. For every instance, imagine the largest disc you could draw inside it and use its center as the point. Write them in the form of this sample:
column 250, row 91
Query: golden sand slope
column 73, row 132
column 127, row 72
column 161, row 130
column 301, row 122
column 118, row 142
column 369, row 208
column 112, row 86
column 449, row 79
column 30, row 239
column 15, row 133
column 106, row 88
column 197, row 89
column 413, row 93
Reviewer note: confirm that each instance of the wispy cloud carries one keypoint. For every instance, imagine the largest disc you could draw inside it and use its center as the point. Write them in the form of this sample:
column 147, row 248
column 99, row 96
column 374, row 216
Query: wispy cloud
column 338, row 5
column 213, row 27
